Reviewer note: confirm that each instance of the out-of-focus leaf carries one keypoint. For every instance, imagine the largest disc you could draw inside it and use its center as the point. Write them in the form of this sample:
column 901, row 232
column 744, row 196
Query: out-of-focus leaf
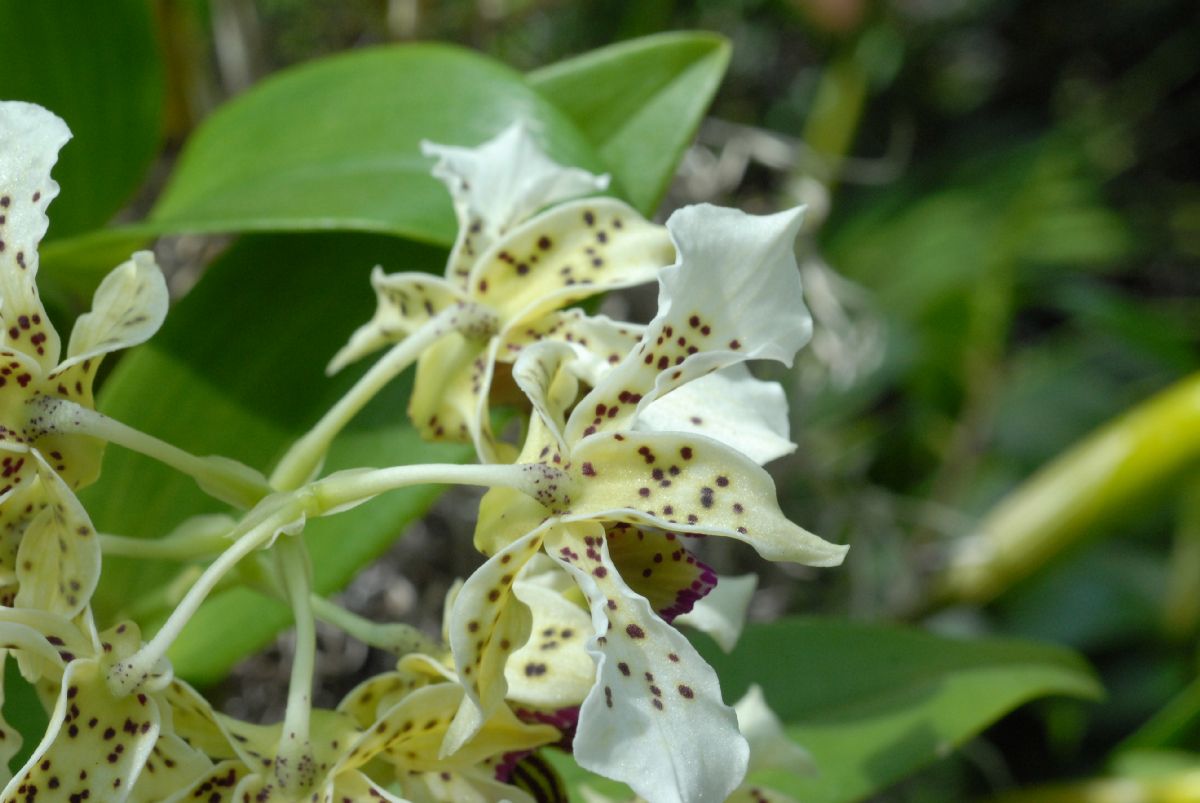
column 639, row 103
column 23, row 711
column 335, row 144
column 97, row 66
column 873, row 703
column 238, row 370
column 1030, row 206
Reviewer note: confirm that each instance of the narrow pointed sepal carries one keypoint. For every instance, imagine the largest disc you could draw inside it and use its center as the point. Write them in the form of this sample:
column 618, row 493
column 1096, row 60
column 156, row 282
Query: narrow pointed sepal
column 688, row 483
column 129, row 306
column 30, row 138
column 58, row 561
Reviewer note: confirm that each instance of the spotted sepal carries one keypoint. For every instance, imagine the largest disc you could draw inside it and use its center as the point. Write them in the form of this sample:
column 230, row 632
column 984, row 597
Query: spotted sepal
column 552, row 670
column 21, row 500
column 540, row 372
column 499, row 184
column 404, row 302
column 598, row 341
column 659, row 566
column 505, row 516
column 355, row 786
column 468, row 785
column 729, row 406
column 58, row 561
column 218, row 785
column 654, row 718
column 487, row 623
column 449, row 396
column 128, row 307
column 193, row 718
column 566, row 254
column 733, row 295
column 366, row 701
column 690, row 484
column 410, row 734
column 172, row 765
column 95, row 746
column 30, row 138
column 330, row 734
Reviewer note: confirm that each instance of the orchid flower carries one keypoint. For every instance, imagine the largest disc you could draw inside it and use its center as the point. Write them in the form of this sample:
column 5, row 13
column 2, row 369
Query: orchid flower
column 394, row 723
column 138, row 747
column 654, row 717
column 49, row 556
column 510, row 276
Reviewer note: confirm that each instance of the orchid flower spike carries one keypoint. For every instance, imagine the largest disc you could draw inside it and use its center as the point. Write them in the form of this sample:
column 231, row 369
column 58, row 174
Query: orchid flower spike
column 654, row 717
column 99, row 745
column 513, row 271
column 40, row 466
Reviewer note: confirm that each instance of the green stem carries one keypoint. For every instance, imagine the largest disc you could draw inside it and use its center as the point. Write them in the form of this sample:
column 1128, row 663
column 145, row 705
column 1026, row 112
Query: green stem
column 306, row 454
column 129, row 674
column 1081, row 490
column 294, row 767
column 198, row 537
column 222, row 478
column 346, row 489
column 397, row 638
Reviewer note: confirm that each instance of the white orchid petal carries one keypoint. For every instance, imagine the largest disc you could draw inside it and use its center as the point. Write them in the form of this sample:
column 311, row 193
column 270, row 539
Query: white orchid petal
column 770, row 747
column 733, row 295
column 499, row 184
column 30, row 138
column 128, row 307
column 730, row 406
column 654, row 719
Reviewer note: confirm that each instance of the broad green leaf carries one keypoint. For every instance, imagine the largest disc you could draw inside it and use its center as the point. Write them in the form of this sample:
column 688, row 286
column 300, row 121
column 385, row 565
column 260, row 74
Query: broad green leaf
column 873, row 703
column 238, row 370
column 335, row 144
column 97, row 66
column 639, row 103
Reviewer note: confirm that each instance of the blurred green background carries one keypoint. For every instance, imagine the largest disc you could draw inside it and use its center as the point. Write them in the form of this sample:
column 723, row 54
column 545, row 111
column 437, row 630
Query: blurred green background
column 1001, row 255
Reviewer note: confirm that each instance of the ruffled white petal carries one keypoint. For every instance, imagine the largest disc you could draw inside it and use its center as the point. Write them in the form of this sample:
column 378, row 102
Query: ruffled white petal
column 654, row 719
column 499, row 184
column 30, row 138
column 733, row 295
column 730, row 406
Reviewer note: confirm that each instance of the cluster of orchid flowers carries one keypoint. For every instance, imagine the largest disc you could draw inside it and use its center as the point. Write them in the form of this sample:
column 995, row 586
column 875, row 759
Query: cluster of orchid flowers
column 640, row 439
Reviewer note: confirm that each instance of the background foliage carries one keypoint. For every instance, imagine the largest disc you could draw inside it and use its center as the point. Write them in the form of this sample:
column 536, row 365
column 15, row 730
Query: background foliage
column 1013, row 191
